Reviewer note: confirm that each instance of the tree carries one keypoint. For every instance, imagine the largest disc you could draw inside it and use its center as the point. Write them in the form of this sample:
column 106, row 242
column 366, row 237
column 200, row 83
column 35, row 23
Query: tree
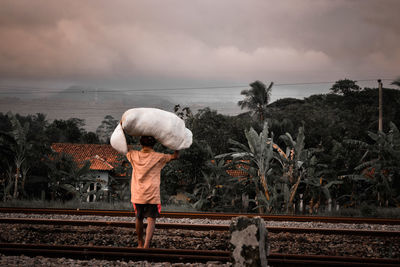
column 215, row 129
column 345, row 87
column 6, row 171
column 90, row 138
column 21, row 145
column 256, row 99
column 66, row 131
column 184, row 174
column 106, row 128
column 34, row 146
column 183, row 113
column 40, row 147
column 65, row 177
column 396, row 82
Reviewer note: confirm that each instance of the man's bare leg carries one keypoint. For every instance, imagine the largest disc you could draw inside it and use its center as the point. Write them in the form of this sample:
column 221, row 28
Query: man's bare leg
column 151, row 225
column 139, row 232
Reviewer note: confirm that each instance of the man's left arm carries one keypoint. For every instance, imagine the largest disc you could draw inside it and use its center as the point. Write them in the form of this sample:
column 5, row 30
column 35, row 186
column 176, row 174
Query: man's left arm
column 175, row 155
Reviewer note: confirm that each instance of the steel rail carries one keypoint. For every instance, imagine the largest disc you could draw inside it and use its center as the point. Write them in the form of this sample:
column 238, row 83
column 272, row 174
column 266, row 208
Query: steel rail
column 209, row 215
column 318, row 260
column 183, row 255
column 200, row 227
column 120, row 253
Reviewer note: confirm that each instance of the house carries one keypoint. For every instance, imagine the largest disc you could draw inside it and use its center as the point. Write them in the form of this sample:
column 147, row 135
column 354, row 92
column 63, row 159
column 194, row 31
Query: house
column 238, row 171
column 103, row 159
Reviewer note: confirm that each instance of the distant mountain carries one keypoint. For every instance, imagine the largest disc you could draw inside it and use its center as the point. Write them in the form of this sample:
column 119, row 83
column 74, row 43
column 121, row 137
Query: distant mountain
column 84, row 103
column 105, row 96
column 93, row 105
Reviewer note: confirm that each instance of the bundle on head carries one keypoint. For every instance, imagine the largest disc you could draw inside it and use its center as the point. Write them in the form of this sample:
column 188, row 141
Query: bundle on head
column 164, row 126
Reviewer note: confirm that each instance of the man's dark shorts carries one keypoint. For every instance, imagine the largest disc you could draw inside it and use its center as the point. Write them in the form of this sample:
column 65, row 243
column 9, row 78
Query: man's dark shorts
column 147, row 210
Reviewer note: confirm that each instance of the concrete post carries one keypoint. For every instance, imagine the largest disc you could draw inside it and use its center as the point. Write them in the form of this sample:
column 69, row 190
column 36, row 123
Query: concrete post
column 249, row 243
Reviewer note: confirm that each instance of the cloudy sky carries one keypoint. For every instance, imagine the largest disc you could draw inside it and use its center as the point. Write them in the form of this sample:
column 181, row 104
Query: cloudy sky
column 172, row 44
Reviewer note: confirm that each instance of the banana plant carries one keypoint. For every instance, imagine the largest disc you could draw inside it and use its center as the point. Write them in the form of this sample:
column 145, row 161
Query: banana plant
column 291, row 163
column 379, row 167
column 7, row 183
column 318, row 187
column 216, row 191
column 259, row 153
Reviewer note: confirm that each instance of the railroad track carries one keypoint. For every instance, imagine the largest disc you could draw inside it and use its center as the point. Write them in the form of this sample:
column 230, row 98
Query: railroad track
column 208, row 215
column 112, row 253
column 199, row 227
column 182, row 255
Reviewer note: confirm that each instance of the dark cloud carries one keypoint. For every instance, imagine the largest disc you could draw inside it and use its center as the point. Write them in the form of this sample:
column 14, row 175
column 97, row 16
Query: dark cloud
column 147, row 43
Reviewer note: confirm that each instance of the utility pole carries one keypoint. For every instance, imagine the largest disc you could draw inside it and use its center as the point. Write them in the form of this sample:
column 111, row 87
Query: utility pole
column 380, row 127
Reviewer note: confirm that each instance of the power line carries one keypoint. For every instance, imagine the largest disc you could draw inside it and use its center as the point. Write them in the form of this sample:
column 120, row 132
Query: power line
column 84, row 91
column 308, row 83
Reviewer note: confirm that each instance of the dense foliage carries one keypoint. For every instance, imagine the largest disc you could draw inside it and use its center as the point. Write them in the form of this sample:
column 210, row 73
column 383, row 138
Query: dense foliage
column 295, row 155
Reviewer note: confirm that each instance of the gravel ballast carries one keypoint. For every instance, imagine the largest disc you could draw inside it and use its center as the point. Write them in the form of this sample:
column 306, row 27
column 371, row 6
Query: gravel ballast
column 310, row 244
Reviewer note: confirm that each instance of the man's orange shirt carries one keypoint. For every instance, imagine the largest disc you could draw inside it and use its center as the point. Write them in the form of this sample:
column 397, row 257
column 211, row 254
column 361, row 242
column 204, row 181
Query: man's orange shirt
column 146, row 169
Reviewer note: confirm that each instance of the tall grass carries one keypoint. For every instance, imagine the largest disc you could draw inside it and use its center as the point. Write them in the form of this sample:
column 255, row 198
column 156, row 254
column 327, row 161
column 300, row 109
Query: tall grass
column 75, row 204
column 364, row 211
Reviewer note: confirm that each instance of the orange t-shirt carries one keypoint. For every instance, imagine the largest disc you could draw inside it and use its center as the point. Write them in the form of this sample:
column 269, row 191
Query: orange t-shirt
column 146, row 169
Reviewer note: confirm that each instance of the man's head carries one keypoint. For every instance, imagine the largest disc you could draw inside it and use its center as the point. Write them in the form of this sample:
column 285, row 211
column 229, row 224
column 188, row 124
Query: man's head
column 148, row 141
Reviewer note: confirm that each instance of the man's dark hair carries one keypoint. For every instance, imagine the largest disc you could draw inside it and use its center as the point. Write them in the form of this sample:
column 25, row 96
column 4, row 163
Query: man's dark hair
column 148, row 141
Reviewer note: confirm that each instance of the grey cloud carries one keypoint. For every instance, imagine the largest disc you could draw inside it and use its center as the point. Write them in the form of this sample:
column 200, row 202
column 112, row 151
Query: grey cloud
column 123, row 42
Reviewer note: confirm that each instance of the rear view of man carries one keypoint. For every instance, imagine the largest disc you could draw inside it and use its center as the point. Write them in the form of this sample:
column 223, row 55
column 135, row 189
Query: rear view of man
column 145, row 186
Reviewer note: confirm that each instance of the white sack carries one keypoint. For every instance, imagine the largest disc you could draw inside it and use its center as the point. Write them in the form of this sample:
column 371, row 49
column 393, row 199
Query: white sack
column 118, row 141
column 165, row 126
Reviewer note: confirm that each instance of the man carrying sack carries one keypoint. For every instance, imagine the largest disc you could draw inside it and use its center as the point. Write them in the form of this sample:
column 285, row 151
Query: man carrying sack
column 152, row 125
column 145, row 186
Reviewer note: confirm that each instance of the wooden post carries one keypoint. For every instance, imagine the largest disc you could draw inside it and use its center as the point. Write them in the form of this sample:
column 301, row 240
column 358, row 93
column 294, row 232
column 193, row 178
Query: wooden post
column 380, row 126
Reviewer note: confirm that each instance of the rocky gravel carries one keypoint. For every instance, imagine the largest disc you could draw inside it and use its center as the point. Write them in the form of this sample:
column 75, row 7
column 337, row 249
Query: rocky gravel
column 317, row 244
column 207, row 221
column 43, row 261
column 111, row 236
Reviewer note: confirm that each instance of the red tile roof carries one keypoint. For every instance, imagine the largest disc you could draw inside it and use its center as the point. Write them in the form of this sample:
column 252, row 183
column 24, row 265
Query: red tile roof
column 101, row 157
column 237, row 171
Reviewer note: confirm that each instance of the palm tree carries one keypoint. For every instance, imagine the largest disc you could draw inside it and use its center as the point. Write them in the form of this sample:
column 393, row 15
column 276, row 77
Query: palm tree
column 19, row 133
column 257, row 98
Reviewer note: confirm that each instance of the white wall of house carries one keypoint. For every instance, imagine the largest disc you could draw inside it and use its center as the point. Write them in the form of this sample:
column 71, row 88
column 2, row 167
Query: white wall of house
column 101, row 181
column 101, row 177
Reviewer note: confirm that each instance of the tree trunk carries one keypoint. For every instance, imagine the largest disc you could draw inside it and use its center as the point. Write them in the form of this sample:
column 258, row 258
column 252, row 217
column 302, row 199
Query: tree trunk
column 16, row 183
column 24, row 174
column 293, row 191
column 260, row 210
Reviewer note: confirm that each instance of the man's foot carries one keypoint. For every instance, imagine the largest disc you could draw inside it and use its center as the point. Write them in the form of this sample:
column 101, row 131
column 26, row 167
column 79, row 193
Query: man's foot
column 140, row 243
